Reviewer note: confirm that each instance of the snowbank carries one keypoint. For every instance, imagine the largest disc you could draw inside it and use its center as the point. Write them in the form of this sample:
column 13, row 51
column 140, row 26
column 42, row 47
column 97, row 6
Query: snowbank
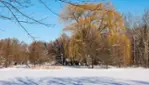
column 124, row 74
column 120, row 73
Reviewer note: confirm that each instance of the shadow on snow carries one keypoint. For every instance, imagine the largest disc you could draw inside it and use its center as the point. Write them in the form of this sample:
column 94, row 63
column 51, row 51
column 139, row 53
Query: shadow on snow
column 72, row 81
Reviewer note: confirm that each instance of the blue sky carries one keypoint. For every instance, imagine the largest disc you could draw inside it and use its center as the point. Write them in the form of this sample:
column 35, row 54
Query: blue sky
column 12, row 30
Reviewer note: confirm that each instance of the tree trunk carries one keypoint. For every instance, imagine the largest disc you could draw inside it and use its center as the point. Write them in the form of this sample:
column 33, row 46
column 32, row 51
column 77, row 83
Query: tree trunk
column 146, row 54
column 92, row 62
column 146, row 45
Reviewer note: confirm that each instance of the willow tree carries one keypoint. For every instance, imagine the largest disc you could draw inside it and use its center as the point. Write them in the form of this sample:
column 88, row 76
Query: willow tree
column 89, row 22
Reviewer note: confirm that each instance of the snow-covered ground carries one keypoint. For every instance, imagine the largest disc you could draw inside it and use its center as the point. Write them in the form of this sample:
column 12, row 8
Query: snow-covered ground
column 74, row 76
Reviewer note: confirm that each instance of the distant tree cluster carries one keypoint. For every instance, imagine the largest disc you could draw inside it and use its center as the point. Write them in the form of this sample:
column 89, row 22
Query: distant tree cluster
column 138, row 33
column 95, row 34
column 12, row 51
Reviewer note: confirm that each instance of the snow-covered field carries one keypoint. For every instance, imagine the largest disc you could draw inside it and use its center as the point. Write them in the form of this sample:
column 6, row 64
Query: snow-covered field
column 74, row 76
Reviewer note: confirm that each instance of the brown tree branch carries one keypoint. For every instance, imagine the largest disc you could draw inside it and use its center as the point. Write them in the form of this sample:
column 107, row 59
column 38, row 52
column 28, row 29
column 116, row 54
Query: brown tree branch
column 18, row 21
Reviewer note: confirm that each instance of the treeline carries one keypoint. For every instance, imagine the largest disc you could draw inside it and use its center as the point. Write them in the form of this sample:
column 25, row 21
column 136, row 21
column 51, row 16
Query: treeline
column 95, row 34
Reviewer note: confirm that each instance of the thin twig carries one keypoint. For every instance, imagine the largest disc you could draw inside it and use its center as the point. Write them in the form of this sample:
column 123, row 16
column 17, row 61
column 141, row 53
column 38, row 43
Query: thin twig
column 19, row 22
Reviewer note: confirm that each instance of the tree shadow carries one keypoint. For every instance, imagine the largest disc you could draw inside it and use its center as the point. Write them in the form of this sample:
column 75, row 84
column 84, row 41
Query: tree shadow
column 71, row 81
column 141, row 82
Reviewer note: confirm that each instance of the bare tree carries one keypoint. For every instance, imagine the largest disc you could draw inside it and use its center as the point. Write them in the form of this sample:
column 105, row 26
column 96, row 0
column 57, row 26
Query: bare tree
column 139, row 36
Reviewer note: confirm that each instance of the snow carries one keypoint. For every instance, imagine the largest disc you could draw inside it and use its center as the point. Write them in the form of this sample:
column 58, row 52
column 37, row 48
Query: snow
column 74, row 76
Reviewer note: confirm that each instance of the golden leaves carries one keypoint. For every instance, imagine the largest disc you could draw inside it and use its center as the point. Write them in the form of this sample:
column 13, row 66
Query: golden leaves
column 89, row 22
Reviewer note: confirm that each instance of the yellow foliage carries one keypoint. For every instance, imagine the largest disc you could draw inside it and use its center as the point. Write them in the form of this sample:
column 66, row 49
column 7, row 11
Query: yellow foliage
column 102, row 17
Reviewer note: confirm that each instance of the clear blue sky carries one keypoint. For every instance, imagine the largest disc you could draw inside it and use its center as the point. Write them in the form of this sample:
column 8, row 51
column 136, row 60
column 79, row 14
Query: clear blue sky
column 12, row 30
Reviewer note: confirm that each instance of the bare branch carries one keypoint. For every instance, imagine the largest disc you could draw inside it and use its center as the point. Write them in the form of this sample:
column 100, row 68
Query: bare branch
column 5, row 17
column 26, row 16
column 18, row 21
column 49, row 8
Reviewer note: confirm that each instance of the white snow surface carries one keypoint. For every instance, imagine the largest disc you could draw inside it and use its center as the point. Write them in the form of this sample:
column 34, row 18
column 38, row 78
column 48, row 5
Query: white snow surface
column 74, row 76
